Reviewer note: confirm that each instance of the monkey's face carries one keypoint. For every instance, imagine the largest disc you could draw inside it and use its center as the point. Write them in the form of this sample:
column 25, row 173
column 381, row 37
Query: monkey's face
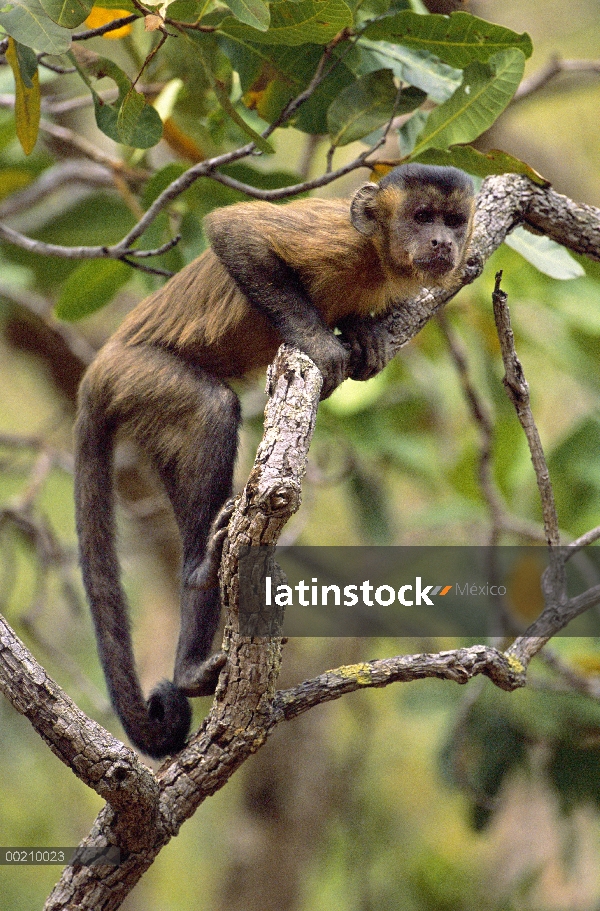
column 428, row 234
column 420, row 231
column 438, row 240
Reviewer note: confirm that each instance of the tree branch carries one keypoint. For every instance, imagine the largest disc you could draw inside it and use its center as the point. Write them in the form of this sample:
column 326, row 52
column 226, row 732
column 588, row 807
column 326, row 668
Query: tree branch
column 241, row 716
column 103, row 29
column 550, row 71
column 517, row 390
column 459, row 665
column 98, row 759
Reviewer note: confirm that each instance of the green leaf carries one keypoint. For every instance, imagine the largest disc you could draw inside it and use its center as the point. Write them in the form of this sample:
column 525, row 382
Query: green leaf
column 408, row 132
column 23, row 63
column 481, row 164
column 272, row 76
column 185, row 10
column 293, row 24
column 129, row 120
column 28, row 65
column 28, row 23
column 252, row 12
column 366, row 105
column 230, row 110
column 545, row 254
column 68, row 12
column 485, row 91
column 418, row 68
column 458, row 39
column 90, row 286
column 129, row 115
column 118, row 4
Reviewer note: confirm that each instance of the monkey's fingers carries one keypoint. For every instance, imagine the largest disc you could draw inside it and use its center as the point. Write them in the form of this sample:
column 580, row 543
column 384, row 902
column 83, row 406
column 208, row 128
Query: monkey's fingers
column 206, row 576
column 223, row 516
column 369, row 345
column 203, row 680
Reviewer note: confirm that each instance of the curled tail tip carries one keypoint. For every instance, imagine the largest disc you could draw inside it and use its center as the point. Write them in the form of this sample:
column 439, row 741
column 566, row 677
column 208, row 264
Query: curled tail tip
column 168, row 725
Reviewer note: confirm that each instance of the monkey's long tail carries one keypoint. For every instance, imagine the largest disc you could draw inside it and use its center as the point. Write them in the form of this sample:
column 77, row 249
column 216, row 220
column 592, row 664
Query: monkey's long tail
column 160, row 725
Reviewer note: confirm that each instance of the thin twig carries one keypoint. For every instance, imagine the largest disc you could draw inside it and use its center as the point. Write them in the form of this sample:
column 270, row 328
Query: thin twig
column 55, row 67
column 579, row 683
column 55, row 178
column 319, row 75
column 588, row 538
column 103, row 29
column 83, row 145
column 158, row 251
column 558, row 610
column 518, row 392
column 189, row 26
column 41, row 307
column 483, row 421
column 550, row 71
column 163, row 37
column 142, row 267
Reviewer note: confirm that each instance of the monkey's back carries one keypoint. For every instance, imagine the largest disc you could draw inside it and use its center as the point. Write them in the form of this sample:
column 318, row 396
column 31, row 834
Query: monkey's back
column 201, row 315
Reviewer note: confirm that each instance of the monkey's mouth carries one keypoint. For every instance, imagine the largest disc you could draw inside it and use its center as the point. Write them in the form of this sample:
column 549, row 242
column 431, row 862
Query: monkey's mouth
column 435, row 266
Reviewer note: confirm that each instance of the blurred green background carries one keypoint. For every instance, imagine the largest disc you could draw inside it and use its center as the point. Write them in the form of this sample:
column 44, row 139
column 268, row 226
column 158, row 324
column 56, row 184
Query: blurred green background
column 423, row 797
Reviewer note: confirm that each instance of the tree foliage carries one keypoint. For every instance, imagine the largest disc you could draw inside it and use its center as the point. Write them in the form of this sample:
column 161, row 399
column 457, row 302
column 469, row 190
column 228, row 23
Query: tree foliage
column 221, row 83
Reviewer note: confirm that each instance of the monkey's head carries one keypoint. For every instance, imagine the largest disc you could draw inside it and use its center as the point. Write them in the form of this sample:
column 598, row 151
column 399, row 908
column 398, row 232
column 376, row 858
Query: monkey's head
column 419, row 218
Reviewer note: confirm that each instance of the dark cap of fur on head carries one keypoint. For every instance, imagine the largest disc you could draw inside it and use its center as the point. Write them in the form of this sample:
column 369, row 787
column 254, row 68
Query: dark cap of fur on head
column 447, row 180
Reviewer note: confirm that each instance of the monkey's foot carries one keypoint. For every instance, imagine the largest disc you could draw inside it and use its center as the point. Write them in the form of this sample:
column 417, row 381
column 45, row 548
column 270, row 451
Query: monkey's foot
column 202, row 680
column 206, row 576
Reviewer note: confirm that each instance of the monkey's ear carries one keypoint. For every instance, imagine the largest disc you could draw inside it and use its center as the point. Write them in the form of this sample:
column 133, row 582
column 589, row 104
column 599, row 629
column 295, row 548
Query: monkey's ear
column 363, row 209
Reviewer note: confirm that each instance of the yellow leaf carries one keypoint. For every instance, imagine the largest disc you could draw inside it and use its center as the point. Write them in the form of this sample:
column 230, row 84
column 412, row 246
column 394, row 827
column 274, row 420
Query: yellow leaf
column 181, row 142
column 27, row 101
column 100, row 16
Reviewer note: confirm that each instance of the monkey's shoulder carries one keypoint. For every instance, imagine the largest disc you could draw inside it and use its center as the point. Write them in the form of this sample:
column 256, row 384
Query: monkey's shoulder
column 264, row 220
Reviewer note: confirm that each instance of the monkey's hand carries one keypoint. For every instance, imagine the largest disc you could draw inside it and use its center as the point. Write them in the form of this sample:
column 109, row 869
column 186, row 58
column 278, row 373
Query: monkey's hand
column 368, row 343
column 330, row 356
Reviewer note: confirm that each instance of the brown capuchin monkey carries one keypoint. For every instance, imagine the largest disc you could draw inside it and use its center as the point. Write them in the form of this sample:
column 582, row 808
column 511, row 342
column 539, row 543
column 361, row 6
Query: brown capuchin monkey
column 292, row 273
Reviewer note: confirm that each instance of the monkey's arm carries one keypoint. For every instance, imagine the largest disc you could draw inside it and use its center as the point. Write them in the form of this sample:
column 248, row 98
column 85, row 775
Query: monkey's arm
column 275, row 289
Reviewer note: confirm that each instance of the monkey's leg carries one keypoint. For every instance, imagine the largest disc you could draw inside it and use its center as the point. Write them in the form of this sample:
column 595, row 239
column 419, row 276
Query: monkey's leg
column 189, row 427
column 198, row 488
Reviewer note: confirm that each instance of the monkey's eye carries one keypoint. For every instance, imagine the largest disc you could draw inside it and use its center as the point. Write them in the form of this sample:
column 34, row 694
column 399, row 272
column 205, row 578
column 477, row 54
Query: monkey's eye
column 424, row 216
column 454, row 220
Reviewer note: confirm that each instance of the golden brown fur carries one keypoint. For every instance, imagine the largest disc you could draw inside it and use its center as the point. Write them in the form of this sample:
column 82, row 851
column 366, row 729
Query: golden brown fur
column 223, row 321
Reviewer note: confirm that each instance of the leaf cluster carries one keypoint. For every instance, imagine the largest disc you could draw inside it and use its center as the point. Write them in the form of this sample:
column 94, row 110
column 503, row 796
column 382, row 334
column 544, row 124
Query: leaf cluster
column 253, row 58
column 210, row 76
column 499, row 736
